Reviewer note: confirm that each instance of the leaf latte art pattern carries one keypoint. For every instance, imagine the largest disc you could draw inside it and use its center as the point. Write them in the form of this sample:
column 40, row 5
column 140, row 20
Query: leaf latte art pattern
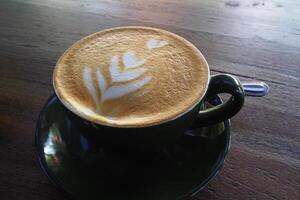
column 133, row 69
column 130, row 77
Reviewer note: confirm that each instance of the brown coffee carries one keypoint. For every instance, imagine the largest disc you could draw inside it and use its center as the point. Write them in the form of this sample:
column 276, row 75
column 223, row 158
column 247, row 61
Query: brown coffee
column 131, row 77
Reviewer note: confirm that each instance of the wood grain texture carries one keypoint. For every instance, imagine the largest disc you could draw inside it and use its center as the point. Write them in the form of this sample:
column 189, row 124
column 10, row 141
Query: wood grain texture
column 252, row 39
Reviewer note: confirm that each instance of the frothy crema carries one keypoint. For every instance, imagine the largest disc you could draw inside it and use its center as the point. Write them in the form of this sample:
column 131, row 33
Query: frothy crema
column 131, row 77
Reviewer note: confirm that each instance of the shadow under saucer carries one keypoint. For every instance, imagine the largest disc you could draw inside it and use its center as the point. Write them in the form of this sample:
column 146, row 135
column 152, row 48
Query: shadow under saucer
column 84, row 169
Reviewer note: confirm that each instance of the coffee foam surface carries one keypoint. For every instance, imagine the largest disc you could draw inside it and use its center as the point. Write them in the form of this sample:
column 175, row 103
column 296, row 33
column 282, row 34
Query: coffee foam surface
column 131, row 77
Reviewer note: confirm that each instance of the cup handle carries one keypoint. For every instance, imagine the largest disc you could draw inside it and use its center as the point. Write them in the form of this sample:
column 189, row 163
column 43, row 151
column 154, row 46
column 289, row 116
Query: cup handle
column 221, row 83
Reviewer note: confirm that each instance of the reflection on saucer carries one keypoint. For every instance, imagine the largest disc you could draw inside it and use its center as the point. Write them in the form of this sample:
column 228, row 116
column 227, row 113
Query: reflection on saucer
column 54, row 147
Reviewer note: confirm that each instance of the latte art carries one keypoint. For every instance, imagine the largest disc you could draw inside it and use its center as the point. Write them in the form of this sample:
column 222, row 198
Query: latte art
column 132, row 70
column 152, row 43
column 130, row 76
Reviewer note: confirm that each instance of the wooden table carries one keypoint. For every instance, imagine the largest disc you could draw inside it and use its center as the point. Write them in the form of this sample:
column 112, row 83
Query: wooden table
column 252, row 39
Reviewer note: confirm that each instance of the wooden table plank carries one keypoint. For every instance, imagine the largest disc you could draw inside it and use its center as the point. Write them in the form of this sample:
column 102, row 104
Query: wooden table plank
column 252, row 39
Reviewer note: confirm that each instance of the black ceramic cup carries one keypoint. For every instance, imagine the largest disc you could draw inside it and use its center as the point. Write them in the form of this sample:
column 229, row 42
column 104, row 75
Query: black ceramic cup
column 156, row 136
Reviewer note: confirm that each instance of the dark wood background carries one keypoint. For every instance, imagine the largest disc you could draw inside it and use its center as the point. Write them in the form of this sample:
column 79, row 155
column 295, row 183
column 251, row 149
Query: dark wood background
column 252, row 39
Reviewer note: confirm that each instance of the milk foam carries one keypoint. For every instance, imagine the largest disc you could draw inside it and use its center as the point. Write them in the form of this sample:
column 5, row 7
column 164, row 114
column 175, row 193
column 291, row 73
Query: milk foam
column 131, row 76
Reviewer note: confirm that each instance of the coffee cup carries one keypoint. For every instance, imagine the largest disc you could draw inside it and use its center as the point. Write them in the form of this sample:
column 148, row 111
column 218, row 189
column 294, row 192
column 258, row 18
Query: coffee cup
column 140, row 86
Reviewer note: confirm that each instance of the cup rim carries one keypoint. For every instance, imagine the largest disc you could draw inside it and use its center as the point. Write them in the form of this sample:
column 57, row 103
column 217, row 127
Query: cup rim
column 106, row 123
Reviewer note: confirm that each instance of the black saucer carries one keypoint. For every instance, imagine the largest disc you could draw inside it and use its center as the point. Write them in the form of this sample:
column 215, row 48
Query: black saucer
column 86, row 170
